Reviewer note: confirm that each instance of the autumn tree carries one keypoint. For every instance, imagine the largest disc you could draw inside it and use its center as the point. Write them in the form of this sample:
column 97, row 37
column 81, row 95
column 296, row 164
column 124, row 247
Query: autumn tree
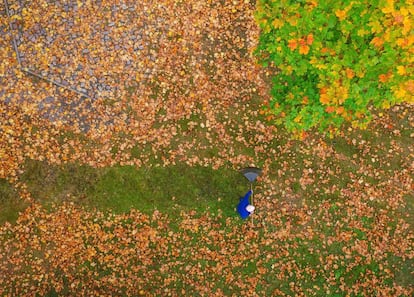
column 337, row 61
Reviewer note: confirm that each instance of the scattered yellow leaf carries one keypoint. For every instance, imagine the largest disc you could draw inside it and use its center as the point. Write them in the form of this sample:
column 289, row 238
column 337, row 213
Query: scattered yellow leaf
column 401, row 70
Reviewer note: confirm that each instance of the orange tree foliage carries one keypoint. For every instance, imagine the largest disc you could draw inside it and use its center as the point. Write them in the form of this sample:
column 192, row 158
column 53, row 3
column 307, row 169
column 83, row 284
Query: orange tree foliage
column 336, row 59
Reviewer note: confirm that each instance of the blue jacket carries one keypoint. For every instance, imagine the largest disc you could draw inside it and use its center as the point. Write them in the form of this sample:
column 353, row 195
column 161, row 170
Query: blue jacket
column 241, row 207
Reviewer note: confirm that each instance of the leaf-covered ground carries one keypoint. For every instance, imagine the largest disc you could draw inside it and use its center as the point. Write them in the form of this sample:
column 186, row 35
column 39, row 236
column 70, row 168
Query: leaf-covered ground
column 174, row 82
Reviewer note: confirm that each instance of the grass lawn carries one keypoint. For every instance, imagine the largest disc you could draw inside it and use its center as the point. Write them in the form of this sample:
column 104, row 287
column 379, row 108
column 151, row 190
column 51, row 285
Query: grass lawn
column 314, row 205
column 136, row 196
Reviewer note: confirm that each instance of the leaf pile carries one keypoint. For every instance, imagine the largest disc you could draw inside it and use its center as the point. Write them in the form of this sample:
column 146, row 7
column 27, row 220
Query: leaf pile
column 149, row 70
column 304, row 251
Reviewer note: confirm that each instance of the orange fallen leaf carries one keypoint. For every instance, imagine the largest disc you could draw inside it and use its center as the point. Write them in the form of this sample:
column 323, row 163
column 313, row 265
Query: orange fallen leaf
column 309, row 39
column 304, row 49
column 330, row 109
column 293, row 44
column 349, row 73
column 377, row 42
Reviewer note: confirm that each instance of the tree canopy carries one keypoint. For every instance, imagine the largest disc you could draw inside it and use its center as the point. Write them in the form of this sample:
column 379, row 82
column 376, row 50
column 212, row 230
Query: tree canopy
column 337, row 61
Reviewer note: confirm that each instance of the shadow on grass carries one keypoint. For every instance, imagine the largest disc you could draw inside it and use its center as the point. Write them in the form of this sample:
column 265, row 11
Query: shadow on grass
column 167, row 189
column 10, row 204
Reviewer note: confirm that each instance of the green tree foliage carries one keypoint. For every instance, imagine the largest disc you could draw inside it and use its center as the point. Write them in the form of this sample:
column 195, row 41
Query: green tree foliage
column 336, row 59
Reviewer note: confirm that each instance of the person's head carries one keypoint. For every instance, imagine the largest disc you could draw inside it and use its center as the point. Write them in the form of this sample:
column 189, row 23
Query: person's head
column 250, row 208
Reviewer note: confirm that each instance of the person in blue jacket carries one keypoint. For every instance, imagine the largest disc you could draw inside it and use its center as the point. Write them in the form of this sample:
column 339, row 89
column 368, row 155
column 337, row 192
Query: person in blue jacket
column 244, row 208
